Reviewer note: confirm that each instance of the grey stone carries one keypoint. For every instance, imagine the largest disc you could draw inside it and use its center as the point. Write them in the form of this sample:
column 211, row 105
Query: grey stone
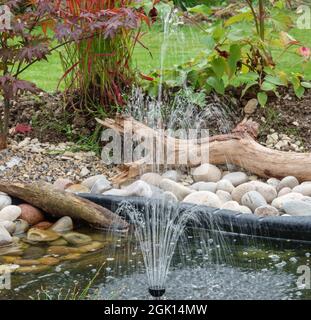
column 274, row 182
column 138, row 188
column 246, row 210
column 62, row 225
column 266, row 190
column 253, row 200
column 266, row 211
column 225, row 185
column 5, row 237
column 289, row 182
column 206, row 172
column 203, row 198
column 284, row 191
column 21, row 226
column 204, row 186
column 5, row 200
column 172, row 175
column 152, row 178
column 231, row 205
column 304, row 188
column 278, row 202
column 240, row 190
column 236, row 178
column 10, row 213
column 169, row 196
column 297, row 208
column 101, row 185
column 223, row 196
column 89, row 182
column 178, row 189
column 9, row 226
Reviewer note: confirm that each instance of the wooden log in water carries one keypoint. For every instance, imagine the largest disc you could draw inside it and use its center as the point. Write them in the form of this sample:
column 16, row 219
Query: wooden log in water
column 61, row 203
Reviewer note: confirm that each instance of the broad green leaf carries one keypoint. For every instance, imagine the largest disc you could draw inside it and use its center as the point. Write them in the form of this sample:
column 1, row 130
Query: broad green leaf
column 268, row 86
column 201, row 8
column 238, row 18
column 235, row 56
column 306, row 84
column 219, row 66
column 262, row 98
column 216, row 84
column 299, row 91
column 275, row 80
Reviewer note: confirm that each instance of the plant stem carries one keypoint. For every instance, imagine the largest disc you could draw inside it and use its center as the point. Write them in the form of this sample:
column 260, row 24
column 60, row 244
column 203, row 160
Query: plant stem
column 262, row 14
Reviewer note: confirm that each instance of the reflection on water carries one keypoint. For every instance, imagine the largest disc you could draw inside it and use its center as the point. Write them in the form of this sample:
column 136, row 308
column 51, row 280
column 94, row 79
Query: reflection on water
column 205, row 266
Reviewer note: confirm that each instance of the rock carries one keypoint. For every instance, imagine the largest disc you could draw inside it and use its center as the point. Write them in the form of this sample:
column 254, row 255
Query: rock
column 288, row 182
column 21, row 226
column 304, row 188
column 177, row 189
column 62, row 250
column 26, row 262
column 253, row 178
column 137, row 189
column 204, row 186
column 5, row 200
column 236, row 178
column 203, row 198
column 43, row 225
column 38, row 235
column 223, row 196
column 169, row 196
column 231, row 205
column 245, row 210
column 49, row 261
column 253, row 200
column 172, row 175
column 78, row 188
column 9, row 226
column 266, row 190
column 63, row 224
column 297, row 208
column 152, row 178
column 33, row 252
column 225, row 185
column 31, row 214
column 62, row 184
column 266, row 211
column 206, row 172
column 284, row 191
column 94, row 246
column 273, row 182
column 76, row 238
column 5, row 237
column 71, row 256
column 251, row 106
column 59, row 242
column 101, row 185
column 89, row 182
column 84, row 172
column 10, row 213
column 278, row 202
column 240, row 190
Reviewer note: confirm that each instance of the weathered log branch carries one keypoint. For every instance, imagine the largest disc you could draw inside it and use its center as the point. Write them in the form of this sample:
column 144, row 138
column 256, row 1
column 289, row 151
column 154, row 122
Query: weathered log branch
column 60, row 203
column 238, row 147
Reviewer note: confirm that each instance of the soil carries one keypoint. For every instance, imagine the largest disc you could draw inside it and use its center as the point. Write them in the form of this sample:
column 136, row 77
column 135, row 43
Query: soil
column 54, row 121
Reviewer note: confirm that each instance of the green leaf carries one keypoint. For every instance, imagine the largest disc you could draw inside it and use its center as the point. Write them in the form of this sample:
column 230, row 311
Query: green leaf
column 238, row 18
column 306, row 84
column 299, row 91
column 219, row 66
column 268, row 86
column 235, row 56
column 216, row 84
column 274, row 80
column 202, row 9
column 262, row 98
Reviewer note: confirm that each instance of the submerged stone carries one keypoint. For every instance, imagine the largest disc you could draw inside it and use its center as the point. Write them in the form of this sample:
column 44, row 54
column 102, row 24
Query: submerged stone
column 76, row 238
column 62, row 225
column 38, row 235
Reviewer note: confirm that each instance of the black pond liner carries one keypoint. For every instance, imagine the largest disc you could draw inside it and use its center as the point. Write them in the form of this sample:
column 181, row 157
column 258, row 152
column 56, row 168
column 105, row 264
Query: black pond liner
column 291, row 228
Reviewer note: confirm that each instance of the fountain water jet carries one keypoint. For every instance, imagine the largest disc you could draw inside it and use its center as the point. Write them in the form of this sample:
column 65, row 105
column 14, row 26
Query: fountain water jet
column 158, row 227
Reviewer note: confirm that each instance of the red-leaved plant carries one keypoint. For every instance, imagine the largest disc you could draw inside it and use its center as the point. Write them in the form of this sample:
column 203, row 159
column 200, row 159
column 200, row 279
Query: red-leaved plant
column 27, row 41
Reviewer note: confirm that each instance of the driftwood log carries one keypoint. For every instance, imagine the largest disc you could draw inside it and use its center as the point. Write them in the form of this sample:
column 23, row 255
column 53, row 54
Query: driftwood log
column 238, row 148
column 60, row 203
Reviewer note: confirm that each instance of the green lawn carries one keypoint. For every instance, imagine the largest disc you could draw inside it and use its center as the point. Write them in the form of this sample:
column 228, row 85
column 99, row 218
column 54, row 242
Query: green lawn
column 181, row 46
